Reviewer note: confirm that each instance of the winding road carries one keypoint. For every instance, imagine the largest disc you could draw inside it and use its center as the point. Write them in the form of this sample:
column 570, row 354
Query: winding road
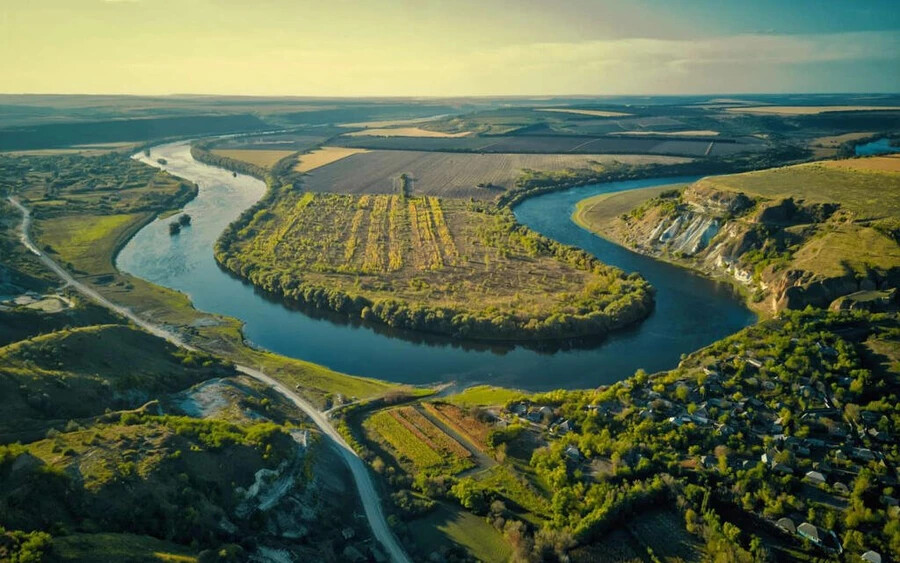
column 368, row 495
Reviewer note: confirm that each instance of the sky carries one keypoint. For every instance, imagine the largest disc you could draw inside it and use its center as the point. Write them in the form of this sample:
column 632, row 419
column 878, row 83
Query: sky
column 449, row 47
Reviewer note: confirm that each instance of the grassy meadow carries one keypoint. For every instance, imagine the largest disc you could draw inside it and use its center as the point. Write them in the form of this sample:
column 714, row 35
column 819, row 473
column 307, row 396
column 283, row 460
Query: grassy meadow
column 866, row 192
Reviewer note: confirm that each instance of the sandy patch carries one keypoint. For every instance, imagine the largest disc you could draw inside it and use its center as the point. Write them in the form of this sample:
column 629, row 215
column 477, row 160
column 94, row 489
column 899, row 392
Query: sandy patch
column 321, row 157
column 392, row 122
column 404, row 132
column 205, row 399
column 692, row 133
column 593, row 112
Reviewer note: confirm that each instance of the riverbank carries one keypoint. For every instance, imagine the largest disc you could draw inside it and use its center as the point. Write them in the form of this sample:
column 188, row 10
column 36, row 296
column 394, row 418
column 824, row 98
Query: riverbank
column 187, row 264
column 597, row 215
column 443, row 266
column 790, row 237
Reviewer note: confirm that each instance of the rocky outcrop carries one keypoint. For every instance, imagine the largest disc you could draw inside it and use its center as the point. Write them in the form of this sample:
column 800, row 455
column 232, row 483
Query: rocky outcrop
column 750, row 242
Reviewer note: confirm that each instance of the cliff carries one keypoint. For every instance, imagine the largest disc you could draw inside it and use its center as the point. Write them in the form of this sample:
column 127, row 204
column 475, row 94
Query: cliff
column 787, row 253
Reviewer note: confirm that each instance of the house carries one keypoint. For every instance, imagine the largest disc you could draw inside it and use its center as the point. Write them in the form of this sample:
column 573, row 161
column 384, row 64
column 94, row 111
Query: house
column 709, row 461
column 810, row 532
column 786, row 525
column 519, row 409
column 680, row 420
column 719, row 403
column 814, row 477
column 348, row 533
column 563, row 427
column 841, row 488
column 573, row 453
column 783, row 469
column 768, row 385
column 862, row 454
column 871, row 556
column 725, row 430
column 754, row 362
column 534, row 416
column 545, row 411
column 822, row 538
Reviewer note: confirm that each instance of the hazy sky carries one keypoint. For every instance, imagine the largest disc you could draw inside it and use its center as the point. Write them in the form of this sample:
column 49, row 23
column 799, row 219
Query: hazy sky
column 449, row 47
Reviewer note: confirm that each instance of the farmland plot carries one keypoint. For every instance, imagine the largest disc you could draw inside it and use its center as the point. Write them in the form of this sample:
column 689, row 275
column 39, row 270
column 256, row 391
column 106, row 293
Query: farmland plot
column 442, row 265
column 262, row 158
column 443, row 174
column 414, row 438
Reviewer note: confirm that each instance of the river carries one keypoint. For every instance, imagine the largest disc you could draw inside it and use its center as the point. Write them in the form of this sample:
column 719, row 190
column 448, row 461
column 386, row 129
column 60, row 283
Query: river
column 691, row 311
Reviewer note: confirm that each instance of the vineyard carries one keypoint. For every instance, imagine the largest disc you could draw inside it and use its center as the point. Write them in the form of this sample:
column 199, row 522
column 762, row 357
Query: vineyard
column 413, row 437
column 443, row 265
column 468, row 426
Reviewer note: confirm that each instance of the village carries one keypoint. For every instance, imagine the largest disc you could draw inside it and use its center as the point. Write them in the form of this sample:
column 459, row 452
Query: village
column 740, row 422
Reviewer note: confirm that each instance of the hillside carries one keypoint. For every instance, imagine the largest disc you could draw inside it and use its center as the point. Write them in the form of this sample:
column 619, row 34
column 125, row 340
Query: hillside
column 209, row 466
column 48, row 380
column 794, row 236
column 448, row 266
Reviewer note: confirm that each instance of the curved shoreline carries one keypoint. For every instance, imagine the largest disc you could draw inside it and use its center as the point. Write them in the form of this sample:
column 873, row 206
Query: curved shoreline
column 186, row 264
column 578, row 218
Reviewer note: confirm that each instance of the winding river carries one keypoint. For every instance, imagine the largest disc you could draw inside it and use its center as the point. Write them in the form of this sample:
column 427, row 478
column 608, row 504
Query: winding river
column 691, row 311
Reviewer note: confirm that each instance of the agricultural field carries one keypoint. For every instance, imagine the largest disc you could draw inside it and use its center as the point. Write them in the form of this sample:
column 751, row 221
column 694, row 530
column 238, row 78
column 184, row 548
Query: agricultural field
column 549, row 143
column 806, row 110
column 482, row 176
column 322, row 157
column 404, row 132
column 264, row 158
column 419, row 262
column 694, row 133
column 468, row 426
column 415, row 439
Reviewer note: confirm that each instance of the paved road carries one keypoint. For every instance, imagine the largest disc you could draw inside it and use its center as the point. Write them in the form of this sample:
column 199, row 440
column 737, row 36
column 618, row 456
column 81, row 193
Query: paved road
column 369, row 496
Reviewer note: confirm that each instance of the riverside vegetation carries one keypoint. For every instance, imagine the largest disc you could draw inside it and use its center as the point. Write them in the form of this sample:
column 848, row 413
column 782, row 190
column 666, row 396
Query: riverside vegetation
column 455, row 267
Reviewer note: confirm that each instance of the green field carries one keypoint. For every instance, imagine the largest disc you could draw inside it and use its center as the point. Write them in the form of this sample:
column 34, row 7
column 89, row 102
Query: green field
column 451, row 525
column 440, row 265
column 484, row 395
column 867, row 195
column 101, row 548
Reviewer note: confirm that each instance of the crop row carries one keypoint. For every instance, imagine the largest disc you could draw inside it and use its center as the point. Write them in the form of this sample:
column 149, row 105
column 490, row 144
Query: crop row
column 456, row 418
column 437, row 214
column 431, row 434
column 374, row 259
column 404, row 442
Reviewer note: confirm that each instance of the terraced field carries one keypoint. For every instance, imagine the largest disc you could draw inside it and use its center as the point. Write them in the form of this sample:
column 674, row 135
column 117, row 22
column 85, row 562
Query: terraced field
column 446, row 174
column 415, row 439
column 443, row 265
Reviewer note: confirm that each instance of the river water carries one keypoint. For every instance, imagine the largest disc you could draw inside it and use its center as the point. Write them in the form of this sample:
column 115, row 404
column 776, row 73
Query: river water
column 691, row 311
